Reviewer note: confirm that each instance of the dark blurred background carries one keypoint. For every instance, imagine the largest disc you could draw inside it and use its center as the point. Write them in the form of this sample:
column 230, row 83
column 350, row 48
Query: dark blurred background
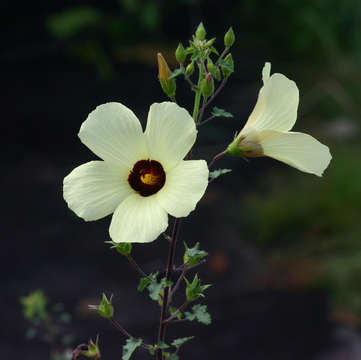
column 285, row 247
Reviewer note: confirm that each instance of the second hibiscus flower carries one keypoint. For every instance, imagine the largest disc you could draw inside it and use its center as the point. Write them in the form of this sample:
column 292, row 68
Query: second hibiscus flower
column 142, row 176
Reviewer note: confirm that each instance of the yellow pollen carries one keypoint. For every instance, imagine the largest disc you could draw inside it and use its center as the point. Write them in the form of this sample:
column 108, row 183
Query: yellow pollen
column 149, row 179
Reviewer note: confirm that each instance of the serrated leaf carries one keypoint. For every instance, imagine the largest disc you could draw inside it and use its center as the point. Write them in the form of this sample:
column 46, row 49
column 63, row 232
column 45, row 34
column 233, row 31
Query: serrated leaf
column 175, row 73
column 179, row 342
column 156, row 287
column 143, row 283
column 217, row 173
column 200, row 314
column 162, row 345
column 129, row 347
column 221, row 113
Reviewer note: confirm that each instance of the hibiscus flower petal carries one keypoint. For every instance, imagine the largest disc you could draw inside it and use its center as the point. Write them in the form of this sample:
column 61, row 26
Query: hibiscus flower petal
column 296, row 149
column 114, row 133
column 276, row 107
column 138, row 219
column 94, row 190
column 185, row 185
column 170, row 133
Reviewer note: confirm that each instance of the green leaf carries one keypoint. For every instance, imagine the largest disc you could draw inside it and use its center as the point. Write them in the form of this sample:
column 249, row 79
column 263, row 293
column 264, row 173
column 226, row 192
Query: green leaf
column 156, row 287
column 162, row 345
column 71, row 22
column 219, row 172
column 144, row 282
column 175, row 73
column 221, row 113
column 129, row 347
column 179, row 342
column 200, row 314
column 173, row 357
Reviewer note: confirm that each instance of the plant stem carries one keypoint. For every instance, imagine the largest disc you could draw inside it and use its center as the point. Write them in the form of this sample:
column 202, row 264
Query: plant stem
column 215, row 158
column 181, row 308
column 197, row 101
column 137, row 267
column 162, row 324
column 176, row 286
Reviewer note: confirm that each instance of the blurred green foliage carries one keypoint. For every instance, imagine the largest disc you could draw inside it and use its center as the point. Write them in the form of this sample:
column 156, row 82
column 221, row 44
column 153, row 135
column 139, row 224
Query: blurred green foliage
column 318, row 220
column 34, row 305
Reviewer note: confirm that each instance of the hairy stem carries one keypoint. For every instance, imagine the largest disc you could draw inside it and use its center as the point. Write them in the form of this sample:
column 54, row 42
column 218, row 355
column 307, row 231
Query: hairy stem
column 137, row 267
column 162, row 324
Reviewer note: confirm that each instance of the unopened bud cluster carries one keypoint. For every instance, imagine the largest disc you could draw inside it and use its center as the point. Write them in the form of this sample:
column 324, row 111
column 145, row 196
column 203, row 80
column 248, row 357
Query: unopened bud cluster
column 199, row 53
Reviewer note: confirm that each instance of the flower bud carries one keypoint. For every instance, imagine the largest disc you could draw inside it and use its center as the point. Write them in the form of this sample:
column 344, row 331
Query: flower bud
column 168, row 86
column 123, row 248
column 93, row 351
column 229, row 38
column 105, row 308
column 210, row 66
column 200, row 32
column 194, row 289
column 180, row 54
column 207, row 86
column 190, row 69
column 227, row 66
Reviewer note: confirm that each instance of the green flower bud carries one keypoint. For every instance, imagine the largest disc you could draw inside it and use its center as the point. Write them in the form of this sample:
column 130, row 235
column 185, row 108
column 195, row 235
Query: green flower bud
column 201, row 32
column 210, row 42
column 123, row 248
column 194, row 255
column 180, row 54
column 93, row 351
column 217, row 74
column 227, row 66
column 168, row 86
column 105, row 308
column 229, row 38
column 207, row 86
column 194, row 290
column 190, row 69
column 210, row 66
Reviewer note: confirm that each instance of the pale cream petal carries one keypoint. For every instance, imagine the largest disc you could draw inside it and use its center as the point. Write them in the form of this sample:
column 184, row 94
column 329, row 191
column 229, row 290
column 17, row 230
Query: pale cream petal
column 276, row 107
column 185, row 185
column 138, row 219
column 170, row 133
column 266, row 72
column 299, row 150
column 94, row 190
column 114, row 133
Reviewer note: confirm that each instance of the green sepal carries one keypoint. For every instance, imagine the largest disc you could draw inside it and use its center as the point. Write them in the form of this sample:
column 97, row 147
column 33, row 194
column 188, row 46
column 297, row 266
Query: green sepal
column 194, row 289
column 190, row 69
column 168, row 87
column 105, row 308
column 193, row 255
column 122, row 248
column 93, row 351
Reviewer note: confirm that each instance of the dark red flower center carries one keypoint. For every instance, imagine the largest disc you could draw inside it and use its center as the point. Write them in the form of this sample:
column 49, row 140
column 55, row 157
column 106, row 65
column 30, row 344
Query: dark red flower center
column 147, row 177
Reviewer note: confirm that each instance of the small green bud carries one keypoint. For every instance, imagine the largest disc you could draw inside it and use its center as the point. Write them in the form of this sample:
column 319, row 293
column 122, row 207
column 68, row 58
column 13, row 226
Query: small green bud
column 93, row 351
column 207, row 86
column 229, row 38
column 180, row 54
column 190, row 69
column 210, row 66
column 123, row 248
column 193, row 255
column 217, row 74
column 201, row 32
column 105, row 308
column 227, row 66
column 194, row 290
column 209, row 43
